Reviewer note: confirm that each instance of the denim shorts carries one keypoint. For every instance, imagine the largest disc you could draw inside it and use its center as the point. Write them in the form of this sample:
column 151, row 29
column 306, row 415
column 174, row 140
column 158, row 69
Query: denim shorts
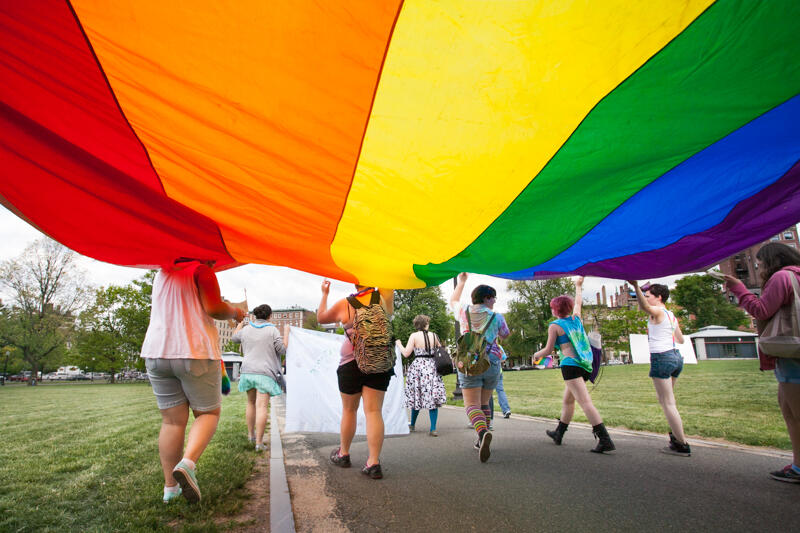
column 787, row 370
column 666, row 365
column 487, row 380
column 178, row 381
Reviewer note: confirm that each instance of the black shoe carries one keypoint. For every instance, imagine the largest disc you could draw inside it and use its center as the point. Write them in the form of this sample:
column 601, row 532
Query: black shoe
column 373, row 471
column 679, row 449
column 786, row 474
column 482, row 445
column 558, row 434
column 507, row 415
column 340, row 460
column 604, row 444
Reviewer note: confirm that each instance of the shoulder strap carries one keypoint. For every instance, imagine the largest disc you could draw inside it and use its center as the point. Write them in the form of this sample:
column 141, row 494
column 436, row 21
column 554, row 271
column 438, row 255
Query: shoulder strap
column 375, row 298
column 353, row 301
column 427, row 345
column 436, row 338
column 488, row 323
column 469, row 322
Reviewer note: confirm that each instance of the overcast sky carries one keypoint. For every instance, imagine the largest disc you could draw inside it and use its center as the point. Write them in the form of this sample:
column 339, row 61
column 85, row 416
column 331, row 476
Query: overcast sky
column 277, row 286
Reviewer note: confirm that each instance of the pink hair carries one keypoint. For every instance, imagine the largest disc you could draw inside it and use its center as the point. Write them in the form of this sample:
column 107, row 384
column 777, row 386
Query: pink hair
column 562, row 305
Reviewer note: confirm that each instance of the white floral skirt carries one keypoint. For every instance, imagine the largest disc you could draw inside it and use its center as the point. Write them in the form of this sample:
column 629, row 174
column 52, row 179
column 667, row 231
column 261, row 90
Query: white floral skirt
column 424, row 387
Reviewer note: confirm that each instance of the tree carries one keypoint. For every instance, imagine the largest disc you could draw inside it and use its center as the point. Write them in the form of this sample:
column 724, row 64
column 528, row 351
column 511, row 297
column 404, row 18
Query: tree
column 112, row 329
column 311, row 322
column 231, row 346
column 618, row 325
column 409, row 303
column 46, row 289
column 702, row 297
column 529, row 314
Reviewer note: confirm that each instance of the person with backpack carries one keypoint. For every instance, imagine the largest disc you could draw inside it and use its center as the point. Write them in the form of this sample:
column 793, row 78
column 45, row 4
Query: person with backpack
column 365, row 368
column 780, row 280
column 568, row 336
column 424, row 386
column 666, row 362
column 478, row 356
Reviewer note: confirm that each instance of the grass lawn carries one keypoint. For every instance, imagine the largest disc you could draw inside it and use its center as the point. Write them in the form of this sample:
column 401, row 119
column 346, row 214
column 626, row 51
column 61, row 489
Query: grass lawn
column 730, row 400
column 85, row 458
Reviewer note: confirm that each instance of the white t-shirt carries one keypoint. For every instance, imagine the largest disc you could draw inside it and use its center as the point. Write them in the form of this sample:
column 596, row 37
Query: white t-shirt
column 179, row 326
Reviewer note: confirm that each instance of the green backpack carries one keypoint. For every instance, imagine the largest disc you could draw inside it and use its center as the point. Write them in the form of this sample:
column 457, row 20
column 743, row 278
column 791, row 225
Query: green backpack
column 373, row 341
column 471, row 357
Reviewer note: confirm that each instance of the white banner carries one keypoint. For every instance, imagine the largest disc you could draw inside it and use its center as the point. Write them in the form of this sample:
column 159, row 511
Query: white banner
column 640, row 350
column 313, row 403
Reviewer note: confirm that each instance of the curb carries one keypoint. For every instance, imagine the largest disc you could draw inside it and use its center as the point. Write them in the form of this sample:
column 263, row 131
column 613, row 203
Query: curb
column 281, row 517
column 755, row 450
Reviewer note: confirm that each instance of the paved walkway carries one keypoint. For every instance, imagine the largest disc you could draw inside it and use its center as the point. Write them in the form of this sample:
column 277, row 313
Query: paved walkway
column 530, row 484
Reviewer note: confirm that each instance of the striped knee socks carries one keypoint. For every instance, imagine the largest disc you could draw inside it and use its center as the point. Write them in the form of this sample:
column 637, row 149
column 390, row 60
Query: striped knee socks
column 476, row 417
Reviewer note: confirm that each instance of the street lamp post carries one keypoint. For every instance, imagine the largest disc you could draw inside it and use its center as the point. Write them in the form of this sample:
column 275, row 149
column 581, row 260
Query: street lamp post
column 457, row 391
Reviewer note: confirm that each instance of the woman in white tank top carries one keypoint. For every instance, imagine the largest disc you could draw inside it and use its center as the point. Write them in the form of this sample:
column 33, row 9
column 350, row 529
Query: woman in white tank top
column 666, row 362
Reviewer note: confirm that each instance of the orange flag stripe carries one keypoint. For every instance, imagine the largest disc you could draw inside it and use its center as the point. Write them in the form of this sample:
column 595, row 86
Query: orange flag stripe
column 263, row 133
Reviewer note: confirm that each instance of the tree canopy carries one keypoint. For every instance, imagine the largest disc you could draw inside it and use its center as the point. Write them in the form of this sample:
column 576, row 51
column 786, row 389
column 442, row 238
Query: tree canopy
column 47, row 288
column 701, row 296
column 429, row 301
column 112, row 329
column 529, row 314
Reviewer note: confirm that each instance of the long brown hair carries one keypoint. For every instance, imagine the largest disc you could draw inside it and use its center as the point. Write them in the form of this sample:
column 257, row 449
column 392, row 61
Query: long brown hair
column 774, row 256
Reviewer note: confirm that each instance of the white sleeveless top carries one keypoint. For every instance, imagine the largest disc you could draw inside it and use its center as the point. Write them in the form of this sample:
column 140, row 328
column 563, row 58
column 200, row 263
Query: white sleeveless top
column 660, row 337
column 179, row 326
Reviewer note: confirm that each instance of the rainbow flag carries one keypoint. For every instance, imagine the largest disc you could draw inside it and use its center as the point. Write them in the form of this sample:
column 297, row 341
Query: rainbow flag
column 397, row 143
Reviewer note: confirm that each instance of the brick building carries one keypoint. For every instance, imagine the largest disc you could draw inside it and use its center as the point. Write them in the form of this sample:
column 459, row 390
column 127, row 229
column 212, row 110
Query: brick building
column 294, row 316
column 744, row 265
column 225, row 328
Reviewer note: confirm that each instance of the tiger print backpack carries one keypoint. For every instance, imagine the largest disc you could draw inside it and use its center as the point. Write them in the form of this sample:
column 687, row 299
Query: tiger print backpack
column 373, row 341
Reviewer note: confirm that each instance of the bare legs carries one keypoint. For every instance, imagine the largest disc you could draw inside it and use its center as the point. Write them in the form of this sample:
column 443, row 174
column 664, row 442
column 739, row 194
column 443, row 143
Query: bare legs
column 256, row 414
column 789, row 401
column 476, row 396
column 373, row 410
column 173, row 431
column 373, row 407
column 666, row 397
column 576, row 391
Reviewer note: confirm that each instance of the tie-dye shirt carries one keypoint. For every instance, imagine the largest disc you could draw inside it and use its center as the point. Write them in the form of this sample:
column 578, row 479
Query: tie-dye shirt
column 479, row 314
column 573, row 328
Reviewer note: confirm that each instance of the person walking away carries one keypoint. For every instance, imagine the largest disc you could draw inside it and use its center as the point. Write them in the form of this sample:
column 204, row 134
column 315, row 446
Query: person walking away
column 261, row 377
column 666, row 362
column 183, row 360
column 780, row 274
column 354, row 382
column 477, row 389
column 424, row 387
column 568, row 335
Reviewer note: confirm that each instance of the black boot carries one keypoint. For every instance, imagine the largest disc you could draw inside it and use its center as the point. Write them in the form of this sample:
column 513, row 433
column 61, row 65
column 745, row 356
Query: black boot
column 604, row 444
column 558, row 434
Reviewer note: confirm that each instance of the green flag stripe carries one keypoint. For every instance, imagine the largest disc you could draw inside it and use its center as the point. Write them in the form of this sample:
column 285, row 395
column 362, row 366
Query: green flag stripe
column 732, row 64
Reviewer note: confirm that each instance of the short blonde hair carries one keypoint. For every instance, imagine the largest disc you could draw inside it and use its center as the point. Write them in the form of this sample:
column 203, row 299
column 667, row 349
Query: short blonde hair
column 421, row 322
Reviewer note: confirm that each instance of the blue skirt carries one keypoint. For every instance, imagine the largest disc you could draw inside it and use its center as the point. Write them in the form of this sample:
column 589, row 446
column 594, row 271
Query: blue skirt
column 260, row 382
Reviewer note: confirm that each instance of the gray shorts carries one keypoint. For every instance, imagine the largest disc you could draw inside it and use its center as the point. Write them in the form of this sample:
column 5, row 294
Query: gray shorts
column 178, row 381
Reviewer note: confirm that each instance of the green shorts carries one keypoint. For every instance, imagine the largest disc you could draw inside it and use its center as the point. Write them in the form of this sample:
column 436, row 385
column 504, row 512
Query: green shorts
column 260, row 382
